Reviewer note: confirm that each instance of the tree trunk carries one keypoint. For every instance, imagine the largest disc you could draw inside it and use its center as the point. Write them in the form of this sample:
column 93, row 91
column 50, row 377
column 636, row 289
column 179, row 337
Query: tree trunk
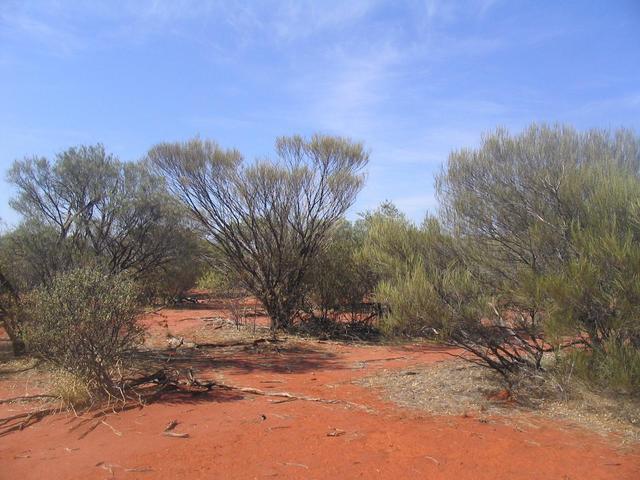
column 280, row 314
column 10, row 323
column 18, row 345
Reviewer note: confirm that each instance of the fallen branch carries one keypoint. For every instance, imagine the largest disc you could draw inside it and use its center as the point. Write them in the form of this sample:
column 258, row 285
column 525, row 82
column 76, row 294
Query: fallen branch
column 388, row 359
column 26, row 398
column 237, row 344
column 289, row 396
column 160, row 382
column 21, row 370
column 175, row 434
column 118, row 433
column 23, row 420
column 171, row 425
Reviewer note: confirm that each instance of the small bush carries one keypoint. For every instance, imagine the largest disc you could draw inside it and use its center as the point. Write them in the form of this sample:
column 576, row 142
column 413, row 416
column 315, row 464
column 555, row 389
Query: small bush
column 219, row 285
column 340, row 279
column 614, row 367
column 84, row 323
column 171, row 282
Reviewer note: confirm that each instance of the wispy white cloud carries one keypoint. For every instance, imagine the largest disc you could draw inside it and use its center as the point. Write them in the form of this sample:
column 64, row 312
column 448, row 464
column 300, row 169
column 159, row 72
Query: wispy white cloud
column 605, row 105
column 58, row 23
column 348, row 96
column 394, row 74
column 294, row 19
column 55, row 38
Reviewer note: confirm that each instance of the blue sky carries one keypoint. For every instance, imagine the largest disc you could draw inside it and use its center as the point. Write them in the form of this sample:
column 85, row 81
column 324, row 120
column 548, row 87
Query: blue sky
column 413, row 80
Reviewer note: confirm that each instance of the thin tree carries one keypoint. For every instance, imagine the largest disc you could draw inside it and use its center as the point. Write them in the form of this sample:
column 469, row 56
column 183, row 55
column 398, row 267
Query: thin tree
column 271, row 218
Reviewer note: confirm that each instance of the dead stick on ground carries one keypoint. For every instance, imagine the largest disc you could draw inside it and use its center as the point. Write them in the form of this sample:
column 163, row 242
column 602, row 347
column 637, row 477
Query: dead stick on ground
column 389, row 359
column 118, row 433
column 89, row 430
column 22, row 420
column 256, row 391
column 175, row 434
column 255, row 342
column 26, row 398
column 171, row 425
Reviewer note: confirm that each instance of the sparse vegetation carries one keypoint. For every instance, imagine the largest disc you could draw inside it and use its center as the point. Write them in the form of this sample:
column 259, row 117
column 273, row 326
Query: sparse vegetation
column 535, row 251
column 530, row 266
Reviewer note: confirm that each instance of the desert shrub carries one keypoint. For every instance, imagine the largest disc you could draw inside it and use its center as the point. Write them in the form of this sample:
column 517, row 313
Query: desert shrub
column 88, row 206
column 597, row 289
column 428, row 303
column 339, row 281
column 550, row 221
column 421, row 279
column 338, row 302
column 535, row 249
column 519, row 200
column 595, row 294
column 84, row 322
column 219, row 284
column 9, row 313
column 71, row 389
column 171, row 281
column 431, row 288
column 392, row 243
column 33, row 253
column 614, row 366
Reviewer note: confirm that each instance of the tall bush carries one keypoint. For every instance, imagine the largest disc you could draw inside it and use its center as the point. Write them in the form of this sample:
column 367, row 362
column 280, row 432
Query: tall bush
column 536, row 249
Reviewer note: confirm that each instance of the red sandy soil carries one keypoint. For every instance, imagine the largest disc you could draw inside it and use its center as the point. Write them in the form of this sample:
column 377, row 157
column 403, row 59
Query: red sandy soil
column 238, row 436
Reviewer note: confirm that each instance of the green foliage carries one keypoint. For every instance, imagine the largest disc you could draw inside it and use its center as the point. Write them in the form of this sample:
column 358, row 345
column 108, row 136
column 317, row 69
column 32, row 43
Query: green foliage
column 421, row 277
column 84, row 322
column 339, row 280
column 172, row 280
column 89, row 207
column 537, row 244
column 614, row 366
column 32, row 253
column 597, row 291
column 218, row 284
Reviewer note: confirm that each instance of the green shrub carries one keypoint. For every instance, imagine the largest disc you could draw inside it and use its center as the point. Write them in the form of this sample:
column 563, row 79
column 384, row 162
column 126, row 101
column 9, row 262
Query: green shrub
column 614, row 367
column 422, row 282
column 537, row 246
column 171, row 282
column 339, row 280
column 218, row 284
column 84, row 322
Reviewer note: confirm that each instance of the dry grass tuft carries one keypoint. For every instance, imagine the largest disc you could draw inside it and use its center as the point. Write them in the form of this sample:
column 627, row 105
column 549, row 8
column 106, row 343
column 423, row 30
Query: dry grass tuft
column 460, row 388
column 71, row 390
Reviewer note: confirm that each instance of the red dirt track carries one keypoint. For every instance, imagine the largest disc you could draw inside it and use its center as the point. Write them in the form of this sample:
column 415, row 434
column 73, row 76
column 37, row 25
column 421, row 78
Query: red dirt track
column 239, row 436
